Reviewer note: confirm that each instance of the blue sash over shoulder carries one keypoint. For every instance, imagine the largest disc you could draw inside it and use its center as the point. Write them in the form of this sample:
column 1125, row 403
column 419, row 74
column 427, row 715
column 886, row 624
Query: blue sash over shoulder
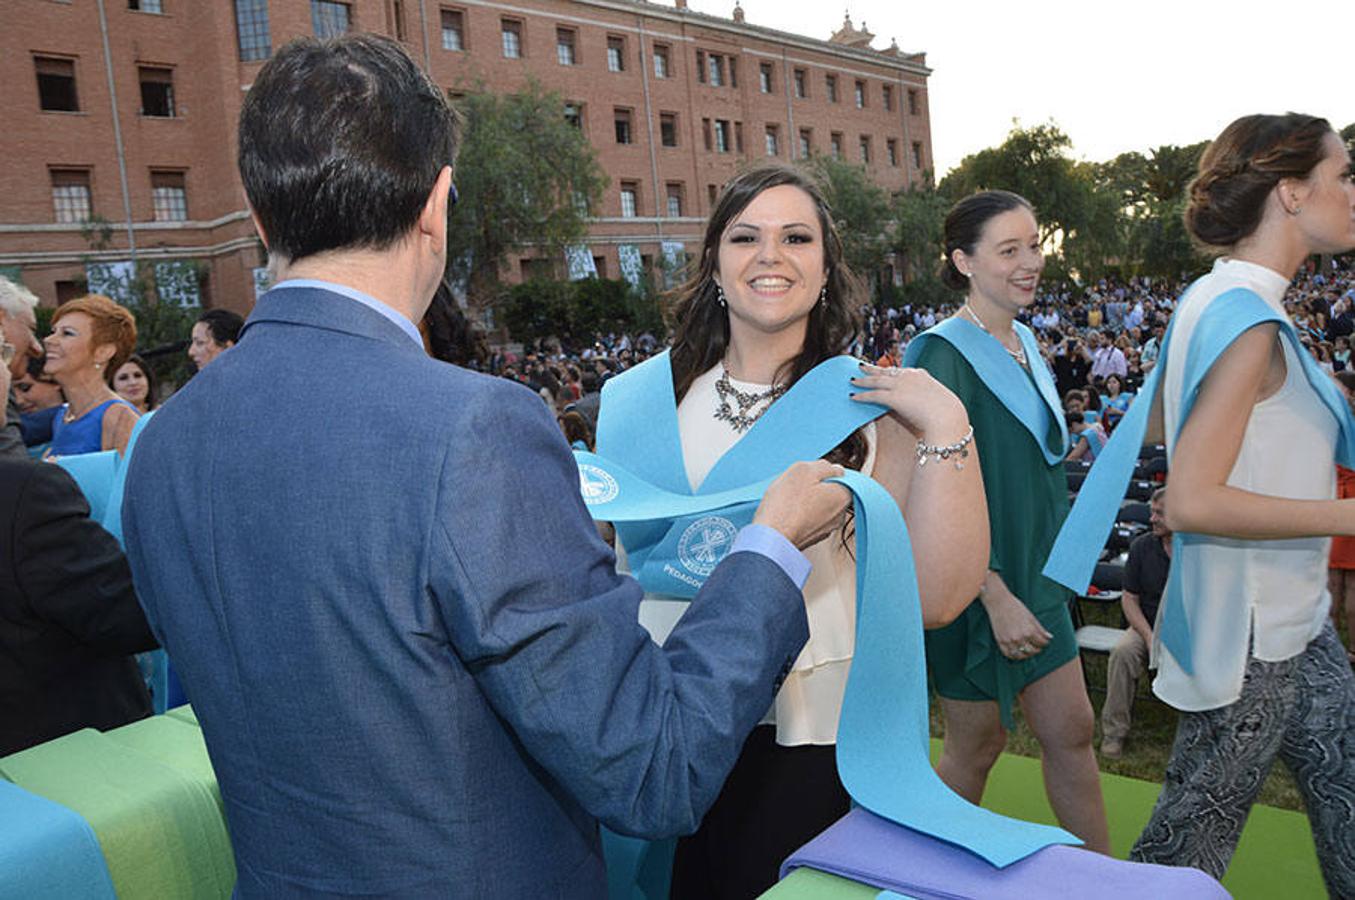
column 883, row 738
column 1075, row 552
column 1036, row 409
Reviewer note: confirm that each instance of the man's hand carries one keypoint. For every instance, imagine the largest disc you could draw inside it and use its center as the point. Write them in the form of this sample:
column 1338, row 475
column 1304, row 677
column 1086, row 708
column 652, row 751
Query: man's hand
column 800, row 506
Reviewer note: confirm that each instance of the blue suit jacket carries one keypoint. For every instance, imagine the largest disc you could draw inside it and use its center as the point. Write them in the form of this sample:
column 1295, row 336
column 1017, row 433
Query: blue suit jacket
column 417, row 671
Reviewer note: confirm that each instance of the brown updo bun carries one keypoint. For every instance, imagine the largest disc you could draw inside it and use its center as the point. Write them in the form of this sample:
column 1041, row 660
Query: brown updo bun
column 1242, row 166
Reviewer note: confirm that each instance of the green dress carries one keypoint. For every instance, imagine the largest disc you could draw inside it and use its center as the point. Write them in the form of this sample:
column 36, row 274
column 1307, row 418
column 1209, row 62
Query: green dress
column 1027, row 502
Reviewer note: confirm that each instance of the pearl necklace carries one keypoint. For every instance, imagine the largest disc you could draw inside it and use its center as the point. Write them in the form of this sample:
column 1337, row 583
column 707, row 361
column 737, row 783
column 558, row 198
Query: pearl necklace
column 1018, row 354
column 742, row 420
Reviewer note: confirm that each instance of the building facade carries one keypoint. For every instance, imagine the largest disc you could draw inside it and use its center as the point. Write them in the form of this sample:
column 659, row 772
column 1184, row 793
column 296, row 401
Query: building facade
column 119, row 115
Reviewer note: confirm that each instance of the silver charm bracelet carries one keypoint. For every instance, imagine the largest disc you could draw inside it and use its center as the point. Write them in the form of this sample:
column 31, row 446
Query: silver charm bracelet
column 958, row 451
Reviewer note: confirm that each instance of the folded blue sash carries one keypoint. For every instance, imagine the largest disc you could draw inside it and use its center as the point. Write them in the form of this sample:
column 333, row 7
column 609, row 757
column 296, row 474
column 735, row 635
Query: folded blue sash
column 1035, row 409
column 48, row 852
column 1074, row 555
column 672, row 554
column 882, row 741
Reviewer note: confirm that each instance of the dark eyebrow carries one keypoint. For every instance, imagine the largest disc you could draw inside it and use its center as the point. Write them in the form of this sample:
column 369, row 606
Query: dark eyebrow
column 757, row 228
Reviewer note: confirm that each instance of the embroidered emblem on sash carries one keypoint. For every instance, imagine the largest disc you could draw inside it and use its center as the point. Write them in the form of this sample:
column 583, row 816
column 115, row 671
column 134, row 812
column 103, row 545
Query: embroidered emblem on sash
column 705, row 542
column 596, row 485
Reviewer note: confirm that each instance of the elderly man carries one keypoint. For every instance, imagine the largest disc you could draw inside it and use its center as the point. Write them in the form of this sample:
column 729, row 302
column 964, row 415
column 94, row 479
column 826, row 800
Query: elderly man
column 1145, row 578
column 416, row 668
column 17, row 326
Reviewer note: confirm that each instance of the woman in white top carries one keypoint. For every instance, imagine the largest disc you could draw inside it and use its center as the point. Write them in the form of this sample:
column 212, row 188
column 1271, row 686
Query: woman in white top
column 1253, row 485
column 771, row 299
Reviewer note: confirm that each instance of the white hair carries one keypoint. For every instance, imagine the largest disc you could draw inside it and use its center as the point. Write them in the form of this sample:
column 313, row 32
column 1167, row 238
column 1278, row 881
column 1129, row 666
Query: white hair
column 15, row 299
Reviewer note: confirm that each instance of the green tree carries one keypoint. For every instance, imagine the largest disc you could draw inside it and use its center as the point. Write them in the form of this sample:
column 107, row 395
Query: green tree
column 861, row 210
column 574, row 311
column 524, row 176
column 154, row 293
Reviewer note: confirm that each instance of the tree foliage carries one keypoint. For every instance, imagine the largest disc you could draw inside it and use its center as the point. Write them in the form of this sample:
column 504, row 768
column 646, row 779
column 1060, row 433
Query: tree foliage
column 861, row 211
column 574, row 311
column 525, row 177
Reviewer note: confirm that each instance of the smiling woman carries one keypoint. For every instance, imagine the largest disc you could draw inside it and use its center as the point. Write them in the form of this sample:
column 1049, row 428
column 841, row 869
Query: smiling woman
column 91, row 337
column 770, row 300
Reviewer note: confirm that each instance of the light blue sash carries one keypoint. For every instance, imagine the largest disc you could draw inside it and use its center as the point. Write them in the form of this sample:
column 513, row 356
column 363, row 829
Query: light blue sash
column 1073, row 557
column 672, row 554
column 882, row 741
column 1036, row 409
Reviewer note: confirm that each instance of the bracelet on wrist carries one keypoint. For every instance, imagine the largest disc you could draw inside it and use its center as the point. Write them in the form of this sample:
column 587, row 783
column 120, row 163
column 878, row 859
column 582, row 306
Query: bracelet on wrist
column 957, row 452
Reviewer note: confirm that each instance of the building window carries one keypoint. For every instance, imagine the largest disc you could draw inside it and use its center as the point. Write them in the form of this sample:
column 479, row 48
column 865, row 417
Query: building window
column 397, row 15
column 705, row 133
column 801, row 78
column 830, row 85
column 912, row 102
column 169, row 196
column 715, row 70
column 764, row 78
column 630, row 199
column 453, row 29
column 772, row 143
column 860, row 94
column 511, row 34
column 660, row 60
column 565, row 42
column 917, row 154
column 616, row 53
column 865, row 149
column 738, row 136
column 701, row 66
column 623, row 129
column 329, row 19
column 251, row 30
column 733, row 72
column 721, row 136
column 806, row 143
column 892, row 151
column 146, row 6
column 835, row 144
column 674, row 190
column 887, row 94
column 56, row 84
column 574, row 114
column 70, row 195
column 713, row 194
column 668, row 129
column 157, row 91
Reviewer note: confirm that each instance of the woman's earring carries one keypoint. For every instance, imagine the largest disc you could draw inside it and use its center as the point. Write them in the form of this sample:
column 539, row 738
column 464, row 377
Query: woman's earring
column 720, row 295
column 823, row 296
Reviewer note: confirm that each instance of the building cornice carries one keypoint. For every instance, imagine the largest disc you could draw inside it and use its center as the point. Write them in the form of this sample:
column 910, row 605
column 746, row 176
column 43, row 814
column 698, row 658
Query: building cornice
column 117, row 254
column 240, row 215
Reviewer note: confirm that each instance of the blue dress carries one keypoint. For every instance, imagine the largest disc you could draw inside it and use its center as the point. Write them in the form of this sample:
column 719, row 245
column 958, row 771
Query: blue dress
column 85, row 434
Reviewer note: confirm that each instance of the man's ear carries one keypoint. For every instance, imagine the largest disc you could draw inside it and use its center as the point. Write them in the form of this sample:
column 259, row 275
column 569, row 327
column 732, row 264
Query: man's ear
column 258, row 226
column 433, row 219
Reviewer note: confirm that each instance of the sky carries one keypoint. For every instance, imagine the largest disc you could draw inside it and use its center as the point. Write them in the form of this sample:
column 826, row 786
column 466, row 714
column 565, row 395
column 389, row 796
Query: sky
column 1113, row 76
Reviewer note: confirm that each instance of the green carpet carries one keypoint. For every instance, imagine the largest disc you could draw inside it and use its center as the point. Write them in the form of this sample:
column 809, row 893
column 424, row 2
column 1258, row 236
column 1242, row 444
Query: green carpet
column 1274, row 859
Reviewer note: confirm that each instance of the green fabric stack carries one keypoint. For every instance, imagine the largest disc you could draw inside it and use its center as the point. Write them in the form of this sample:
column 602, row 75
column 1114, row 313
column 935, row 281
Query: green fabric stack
column 148, row 791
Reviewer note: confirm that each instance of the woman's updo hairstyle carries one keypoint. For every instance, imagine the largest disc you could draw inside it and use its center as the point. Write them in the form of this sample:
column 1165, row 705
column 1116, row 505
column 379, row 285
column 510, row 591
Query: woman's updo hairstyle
column 1242, row 166
column 964, row 226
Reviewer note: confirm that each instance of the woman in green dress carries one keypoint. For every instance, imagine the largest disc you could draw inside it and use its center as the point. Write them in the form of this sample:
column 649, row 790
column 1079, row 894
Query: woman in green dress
column 1015, row 643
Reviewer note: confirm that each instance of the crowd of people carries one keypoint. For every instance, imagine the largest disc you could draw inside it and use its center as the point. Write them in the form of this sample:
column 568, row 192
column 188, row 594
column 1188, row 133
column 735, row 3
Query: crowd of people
column 473, row 682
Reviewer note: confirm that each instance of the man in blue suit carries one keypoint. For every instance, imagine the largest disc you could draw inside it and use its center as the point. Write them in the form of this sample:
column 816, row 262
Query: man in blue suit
column 415, row 666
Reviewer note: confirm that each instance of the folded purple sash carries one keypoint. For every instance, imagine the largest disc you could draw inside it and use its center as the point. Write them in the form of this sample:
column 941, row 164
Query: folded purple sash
column 874, row 851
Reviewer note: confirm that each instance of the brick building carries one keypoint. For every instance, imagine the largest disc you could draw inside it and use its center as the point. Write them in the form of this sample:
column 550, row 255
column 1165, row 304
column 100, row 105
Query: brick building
column 124, row 111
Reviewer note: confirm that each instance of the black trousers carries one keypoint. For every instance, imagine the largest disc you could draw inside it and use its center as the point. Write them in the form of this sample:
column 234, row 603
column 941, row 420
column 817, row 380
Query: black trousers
column 775, row 800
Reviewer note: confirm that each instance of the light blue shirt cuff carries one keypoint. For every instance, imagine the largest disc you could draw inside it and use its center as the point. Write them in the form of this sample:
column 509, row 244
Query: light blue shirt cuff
column 773, row 544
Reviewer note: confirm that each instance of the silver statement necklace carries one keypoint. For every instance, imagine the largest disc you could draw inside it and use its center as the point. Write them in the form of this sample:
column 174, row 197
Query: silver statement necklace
column 750, row 405
column 1019, row 354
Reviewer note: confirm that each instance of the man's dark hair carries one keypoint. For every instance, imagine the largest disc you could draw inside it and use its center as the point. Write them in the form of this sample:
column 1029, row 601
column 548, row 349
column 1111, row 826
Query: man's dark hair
column 223, row 325
column 341, row 142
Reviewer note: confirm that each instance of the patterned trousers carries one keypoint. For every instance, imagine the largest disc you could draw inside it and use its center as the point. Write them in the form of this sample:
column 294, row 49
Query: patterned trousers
column 1302, row 710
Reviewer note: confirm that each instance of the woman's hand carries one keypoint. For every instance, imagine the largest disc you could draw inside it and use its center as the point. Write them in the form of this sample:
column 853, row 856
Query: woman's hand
column 1018, row 633
column 926, row 407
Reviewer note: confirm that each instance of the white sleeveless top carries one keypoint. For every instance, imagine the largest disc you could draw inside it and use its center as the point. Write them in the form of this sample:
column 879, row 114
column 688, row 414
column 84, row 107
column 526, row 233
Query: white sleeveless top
column 806, row 708
column 1288, row 450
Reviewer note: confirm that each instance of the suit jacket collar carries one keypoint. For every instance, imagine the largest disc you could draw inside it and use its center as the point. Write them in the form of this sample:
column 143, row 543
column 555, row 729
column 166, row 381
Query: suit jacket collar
column 319, row 308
